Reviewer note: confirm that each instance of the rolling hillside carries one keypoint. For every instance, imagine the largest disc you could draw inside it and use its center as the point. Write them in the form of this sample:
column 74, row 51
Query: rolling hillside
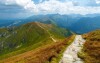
column 31, row 36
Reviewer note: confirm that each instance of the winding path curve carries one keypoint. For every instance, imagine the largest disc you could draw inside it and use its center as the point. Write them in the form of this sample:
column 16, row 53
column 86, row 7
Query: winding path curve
column 70, row 55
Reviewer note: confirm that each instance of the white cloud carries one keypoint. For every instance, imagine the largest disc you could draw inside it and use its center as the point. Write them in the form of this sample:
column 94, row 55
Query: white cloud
column 97, row 1
column 54, row 6
column 28, row 5
column 8, row 2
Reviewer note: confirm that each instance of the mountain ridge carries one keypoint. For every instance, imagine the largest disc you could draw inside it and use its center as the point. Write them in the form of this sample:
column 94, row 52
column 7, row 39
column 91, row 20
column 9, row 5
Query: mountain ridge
column 16, row 40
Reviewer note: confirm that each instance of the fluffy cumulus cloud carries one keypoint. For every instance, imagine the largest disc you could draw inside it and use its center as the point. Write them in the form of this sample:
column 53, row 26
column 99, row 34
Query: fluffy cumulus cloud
column 26, row 4
column 54, row 6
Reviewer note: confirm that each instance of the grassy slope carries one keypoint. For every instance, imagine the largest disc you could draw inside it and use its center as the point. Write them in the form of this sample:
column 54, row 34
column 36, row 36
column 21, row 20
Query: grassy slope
column 50, row 53
column 28, row 37
column 91, row 49
column 25, row 36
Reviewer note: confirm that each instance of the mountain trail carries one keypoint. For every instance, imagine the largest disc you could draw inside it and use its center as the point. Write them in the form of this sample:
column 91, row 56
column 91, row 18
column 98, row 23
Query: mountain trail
column 70, row 55
column 47, row 32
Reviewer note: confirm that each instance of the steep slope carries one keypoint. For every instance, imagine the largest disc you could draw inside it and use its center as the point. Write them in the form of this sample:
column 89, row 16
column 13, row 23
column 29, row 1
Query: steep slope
column 17, row 40
column 91, row 49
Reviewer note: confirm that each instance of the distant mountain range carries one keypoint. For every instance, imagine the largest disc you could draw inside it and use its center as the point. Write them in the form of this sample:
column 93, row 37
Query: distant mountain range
column 86, row 24
column 77, row 23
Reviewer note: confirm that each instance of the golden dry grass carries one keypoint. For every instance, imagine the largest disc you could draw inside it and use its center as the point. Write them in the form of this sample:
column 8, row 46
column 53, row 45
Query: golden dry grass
column 92, row 47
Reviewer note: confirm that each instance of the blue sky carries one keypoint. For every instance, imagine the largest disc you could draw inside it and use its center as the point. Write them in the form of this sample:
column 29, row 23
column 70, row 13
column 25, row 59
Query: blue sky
column 24, row 8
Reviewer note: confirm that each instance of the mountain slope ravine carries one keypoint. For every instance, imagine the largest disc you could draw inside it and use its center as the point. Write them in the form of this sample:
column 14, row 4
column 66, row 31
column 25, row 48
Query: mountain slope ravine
column 71, row 53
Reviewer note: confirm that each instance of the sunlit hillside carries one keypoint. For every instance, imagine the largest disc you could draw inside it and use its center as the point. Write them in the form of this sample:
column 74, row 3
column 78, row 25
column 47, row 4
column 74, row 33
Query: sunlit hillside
column 91, row 49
